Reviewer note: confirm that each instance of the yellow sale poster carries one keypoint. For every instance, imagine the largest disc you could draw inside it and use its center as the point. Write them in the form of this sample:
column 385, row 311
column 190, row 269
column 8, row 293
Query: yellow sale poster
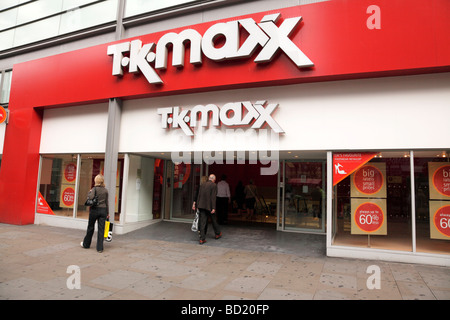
column 440, row 220
column 67, row 197
column 368, row 216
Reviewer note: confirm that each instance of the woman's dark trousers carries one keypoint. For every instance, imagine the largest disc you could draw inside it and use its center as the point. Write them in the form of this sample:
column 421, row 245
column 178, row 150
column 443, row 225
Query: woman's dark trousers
column 96, row 215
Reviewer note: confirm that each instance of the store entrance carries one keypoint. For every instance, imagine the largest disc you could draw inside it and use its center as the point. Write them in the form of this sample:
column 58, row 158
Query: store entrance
column 293, row 198
column 304, row 196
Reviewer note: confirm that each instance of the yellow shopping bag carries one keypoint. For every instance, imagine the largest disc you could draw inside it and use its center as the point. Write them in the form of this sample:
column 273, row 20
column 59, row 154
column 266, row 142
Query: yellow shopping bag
column 108, row 230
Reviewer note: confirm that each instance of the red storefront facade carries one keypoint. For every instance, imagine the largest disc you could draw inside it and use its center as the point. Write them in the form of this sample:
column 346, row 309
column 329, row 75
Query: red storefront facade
column 328, row 41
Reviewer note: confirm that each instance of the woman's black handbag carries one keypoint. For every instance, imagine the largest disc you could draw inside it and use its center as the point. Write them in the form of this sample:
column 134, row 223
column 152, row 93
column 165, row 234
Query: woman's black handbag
column 92, row 202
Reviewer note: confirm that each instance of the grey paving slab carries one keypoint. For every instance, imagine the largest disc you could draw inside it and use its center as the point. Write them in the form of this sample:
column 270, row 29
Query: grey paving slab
column 165, row 262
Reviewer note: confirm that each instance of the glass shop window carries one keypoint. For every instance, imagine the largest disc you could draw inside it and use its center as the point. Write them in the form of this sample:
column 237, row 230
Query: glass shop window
column 60, row 178
column 57, row 185
column 91, row 166
column 136, row 7
column 372, row 200
column 432, row 199
column 186, row 180
column 5, row 81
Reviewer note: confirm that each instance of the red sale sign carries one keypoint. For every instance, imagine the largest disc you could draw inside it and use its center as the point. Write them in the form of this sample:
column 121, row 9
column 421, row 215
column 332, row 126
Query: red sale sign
column 441, row 180
column 368, row 180
column 42, row 205
column 70, row 171
column 3, row 114
column 345, row 164
column 368, row 216
column 442, row 220
column 439, row 221
column 67, row 197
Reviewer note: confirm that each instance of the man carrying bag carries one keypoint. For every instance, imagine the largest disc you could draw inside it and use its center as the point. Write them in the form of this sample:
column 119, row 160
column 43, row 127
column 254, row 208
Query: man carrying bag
column 206, row 203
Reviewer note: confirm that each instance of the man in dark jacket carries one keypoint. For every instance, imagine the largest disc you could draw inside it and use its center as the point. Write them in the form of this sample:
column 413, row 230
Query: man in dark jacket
column 206, row 204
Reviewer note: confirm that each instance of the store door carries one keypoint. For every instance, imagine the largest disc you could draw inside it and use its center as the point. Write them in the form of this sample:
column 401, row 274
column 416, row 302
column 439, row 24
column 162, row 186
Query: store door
column 303, row 196
column 185, row 182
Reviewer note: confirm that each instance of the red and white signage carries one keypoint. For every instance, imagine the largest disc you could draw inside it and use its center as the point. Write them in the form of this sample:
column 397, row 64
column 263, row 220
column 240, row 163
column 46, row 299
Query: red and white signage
column 344, row 164
column 3, row 115
column 42, row 206
column 368, row 216
column 70, row 171
column 440, row 180
column 369, row 181
column 344, row 40
column 67, row 196
column 439, row 220
column 329, row 40
column 266, row 37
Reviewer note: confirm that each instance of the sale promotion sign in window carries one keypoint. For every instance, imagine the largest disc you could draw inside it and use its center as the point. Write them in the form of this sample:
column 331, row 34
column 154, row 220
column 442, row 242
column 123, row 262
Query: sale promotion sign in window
column 439, row 180
column 69, row 174
column 440, row 220
column 67, row 197
column 42, row 205
column 368, row 216
column 346, row 163
column 368, row 199
column 369, row 181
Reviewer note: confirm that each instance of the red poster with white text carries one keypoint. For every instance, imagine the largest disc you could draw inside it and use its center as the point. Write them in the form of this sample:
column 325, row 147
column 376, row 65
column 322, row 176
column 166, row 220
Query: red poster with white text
column 42, row 206
column 439, row 180
column 345, row 163
column 439, row 220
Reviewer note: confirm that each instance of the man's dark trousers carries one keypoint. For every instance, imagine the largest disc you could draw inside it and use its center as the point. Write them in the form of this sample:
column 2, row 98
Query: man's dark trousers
column 204, row 215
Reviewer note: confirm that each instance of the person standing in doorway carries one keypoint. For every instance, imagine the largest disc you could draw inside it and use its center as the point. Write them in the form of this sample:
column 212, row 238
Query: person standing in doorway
column 206, row 204
column 251, row 194
column 98, row 213
column 223, row 199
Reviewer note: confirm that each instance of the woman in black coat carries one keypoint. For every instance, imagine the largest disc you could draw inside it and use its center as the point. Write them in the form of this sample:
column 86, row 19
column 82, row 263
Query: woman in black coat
column 97, row 213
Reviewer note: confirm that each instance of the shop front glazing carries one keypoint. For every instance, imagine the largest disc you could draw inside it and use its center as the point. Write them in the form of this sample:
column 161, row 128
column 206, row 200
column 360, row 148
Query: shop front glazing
column 392, row 201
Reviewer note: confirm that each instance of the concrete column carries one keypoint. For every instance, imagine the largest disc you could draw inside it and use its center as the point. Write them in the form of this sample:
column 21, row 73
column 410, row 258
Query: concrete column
column 112, row 151
column 119, row 20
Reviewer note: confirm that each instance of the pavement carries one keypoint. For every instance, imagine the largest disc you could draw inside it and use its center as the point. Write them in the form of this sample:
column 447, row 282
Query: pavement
column 165, row 262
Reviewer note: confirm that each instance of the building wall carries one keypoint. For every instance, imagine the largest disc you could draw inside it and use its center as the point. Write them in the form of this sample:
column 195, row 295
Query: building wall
column 79, row 129
column 404, row 112
column 407, row 112
column 149, row 24
column 139, row 197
